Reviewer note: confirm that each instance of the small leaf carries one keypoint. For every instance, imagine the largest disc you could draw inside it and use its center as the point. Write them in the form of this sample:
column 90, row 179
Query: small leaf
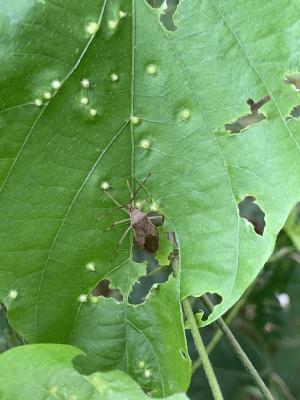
column 36, row 371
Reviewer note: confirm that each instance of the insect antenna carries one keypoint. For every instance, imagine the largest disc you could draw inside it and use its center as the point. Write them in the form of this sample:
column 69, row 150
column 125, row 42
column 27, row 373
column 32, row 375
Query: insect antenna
column 142, row 186
column 130, row 190
column 124, row 208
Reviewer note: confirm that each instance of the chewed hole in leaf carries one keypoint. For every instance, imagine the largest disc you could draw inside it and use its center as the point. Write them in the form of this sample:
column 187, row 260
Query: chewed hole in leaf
column 249, row 210
column 200, row 310
column 102, row 289
column 169, row 9
column 244, row 122
column 294, row 80
column 183, row 354
column 249, row 119
column 155, row 3
column 156, row 273
column 294, row 114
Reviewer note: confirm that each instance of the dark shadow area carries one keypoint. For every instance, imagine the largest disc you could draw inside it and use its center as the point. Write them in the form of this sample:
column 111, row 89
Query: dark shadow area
column 253, row 213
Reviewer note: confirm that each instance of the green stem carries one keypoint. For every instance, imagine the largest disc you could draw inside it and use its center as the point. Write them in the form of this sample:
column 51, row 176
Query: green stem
column 211, row 345
column 282, row 386
column 218, row 335
column 158, row 269
column 211, row 377
column 240, row 352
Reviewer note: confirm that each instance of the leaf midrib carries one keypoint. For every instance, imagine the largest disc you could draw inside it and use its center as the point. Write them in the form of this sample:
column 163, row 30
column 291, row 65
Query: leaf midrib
column 125, row 302
column 188, row 79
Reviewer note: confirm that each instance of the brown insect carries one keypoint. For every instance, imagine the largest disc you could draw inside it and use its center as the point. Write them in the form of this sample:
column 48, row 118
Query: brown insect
column 144, row 225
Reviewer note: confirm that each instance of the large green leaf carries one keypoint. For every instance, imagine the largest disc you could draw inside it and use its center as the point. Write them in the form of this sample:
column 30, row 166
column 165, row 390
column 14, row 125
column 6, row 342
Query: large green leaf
column 54, row 248
column 181, row 87
column 46, row 371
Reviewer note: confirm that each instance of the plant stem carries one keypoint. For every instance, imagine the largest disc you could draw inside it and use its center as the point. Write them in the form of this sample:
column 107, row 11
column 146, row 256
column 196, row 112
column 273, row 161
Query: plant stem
column 158, row 269
column 211, row 377
column 211, row 345
column 240, row 352
column 282, row 386
column 218, row 335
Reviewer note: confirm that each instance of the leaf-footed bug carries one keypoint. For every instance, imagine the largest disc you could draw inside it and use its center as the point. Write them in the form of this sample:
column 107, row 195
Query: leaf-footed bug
column 144, row 225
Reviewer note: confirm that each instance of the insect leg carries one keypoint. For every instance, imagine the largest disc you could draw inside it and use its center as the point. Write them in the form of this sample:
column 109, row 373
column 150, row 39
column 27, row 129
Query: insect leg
column 124, row 235
column 123, row 221
column 130, row 190
column 120, row 242
column 124, row 208
column 142, row 185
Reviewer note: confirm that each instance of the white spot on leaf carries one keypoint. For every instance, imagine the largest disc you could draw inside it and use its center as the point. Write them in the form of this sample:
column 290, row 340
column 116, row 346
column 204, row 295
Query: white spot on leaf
column 105, row 185
column 84, row 100
column 90, row 266
column 114, row 77
column 38, row 102
column 93, row 112
column 147, row 373
column 135, row 120
column 56, row 84
column 185, row 114
column 145, row 143
column 122, row 14
column 13, row 294
column 112, row 24
column 152, row 69
column 83, row 298
column 85, row 83
column 92, row 28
